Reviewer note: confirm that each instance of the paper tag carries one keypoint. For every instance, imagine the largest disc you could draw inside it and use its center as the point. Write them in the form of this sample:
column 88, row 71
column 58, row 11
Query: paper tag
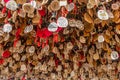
column 103, row 15
column 32, row 49
column 114, row 55
column 33, row 3
column 23, row 67
column 28, row 29
column 63, row 3
column 12, row 5
column 62, row 22
column 70, row 6
column 100, row 38
column 110, row 14
column 53, row 27
column 7, row 28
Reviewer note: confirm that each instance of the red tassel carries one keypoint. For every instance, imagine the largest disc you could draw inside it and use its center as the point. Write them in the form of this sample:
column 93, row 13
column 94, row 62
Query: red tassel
column 4, row 10
column 42, row 12
column 1, row 61
column 6, row 54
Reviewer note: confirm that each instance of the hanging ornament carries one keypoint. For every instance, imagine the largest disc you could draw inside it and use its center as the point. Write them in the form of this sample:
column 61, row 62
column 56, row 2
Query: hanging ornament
column 72, row 23
column 31, row 49
column 63, row 3
column 70, row 6
column 12, row 5
column 7, row 28
column 53, row 27
column 114, row 55
column 28, row 8
column 46, row 48
column 115, row 6
column 55, row 5
column 100, row 38
column 23, row 67
column 110, row 14
column 33, row 3
column 89, row 5
column 28, row 29
column 1, row 32
column 62, row 22
column 22, row 13
column 103, row 15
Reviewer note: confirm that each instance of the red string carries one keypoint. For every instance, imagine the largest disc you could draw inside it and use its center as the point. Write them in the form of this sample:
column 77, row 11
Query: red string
column 75, row 9
column 64, row 12
column 9, row 14
column 43, row 45
column 56, row 61
column 17, row 35
column 23, row 78
column 46, row 42
column 70, row 1
column 55, row 38
column 38, row 44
